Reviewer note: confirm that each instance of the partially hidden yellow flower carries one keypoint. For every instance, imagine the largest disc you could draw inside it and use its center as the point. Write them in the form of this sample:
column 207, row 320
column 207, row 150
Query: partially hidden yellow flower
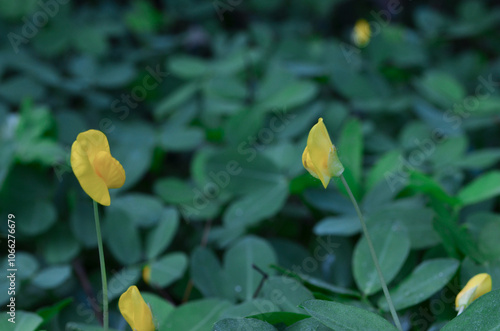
column 320, row 156
column 146, row 274
column 135, row 310
column 94, row 167
column 478, row 285
column 361, row 33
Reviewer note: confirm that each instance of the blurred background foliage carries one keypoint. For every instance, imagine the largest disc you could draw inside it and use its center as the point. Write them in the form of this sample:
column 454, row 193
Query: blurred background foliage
column 207, row 104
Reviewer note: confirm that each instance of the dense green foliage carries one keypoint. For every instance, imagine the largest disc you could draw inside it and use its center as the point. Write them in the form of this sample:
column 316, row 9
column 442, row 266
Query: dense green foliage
column 207, row 105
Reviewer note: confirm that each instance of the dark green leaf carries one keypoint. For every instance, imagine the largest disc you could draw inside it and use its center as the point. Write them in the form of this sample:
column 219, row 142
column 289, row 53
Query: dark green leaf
column 343, row 317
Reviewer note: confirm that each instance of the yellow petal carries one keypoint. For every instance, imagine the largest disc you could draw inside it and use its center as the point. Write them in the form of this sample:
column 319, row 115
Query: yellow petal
column 92, row 142
column 109, row 169
column 94, row 167
column 146, row 274
column 319, row 146
column 361, row 33
column 320, row 155
column 306, row 161
column 91, row 183
column 135, row 310
column 477, row 286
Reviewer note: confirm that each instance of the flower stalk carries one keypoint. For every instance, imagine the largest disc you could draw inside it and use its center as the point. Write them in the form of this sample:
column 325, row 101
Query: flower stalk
column 105, row 313
column 372, row 252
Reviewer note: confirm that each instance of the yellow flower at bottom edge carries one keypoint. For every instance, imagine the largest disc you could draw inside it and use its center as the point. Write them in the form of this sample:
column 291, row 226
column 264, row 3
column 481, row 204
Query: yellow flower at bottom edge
column 94, row 167
column 361, row 33
column 135, row 310
column 146, row 273
column 320, row 155
column 478, row 285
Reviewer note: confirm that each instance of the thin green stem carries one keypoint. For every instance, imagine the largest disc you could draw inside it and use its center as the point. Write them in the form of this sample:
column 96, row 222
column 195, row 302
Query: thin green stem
column 372, row 252
column 103, row 269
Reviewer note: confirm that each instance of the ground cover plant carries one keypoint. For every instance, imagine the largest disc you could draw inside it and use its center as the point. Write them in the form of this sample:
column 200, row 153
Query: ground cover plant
column 154, row 173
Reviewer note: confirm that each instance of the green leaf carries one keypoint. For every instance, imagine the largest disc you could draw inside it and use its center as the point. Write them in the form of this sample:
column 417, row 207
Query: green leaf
column 175, row 100
column 168, row 269
column 343, row 317
column 238, row 262
column 59, row 246
column 174, row 190
column 420, row 182
column 252, row 307
column 188, row 67
column 37, row 217
column 203, row 263
column 230, row 324
column 482, row 188
column 198, row 315
column 47, row 313
column 291, row 95
column 428, row 278
column 257, row 206
column 280, row 317
column 143, row 17
column 143, row 209
column 160, row 308
column 441, row 88
column 122, row 280
column 52, row 277
column 27, row 263
column 121, row 237
column 479, row 159
column 84, row 327
column 132, row 141
column 160, row 236
column 178, row 138
column 23, row 321
column 82, row 224
column 350, row 150
column 417, row 219
column 243, row 171
column 392, row 247
column 482, row 314
column 488, row 240
column 316, row 283
column 308, row 324
column 287, row 293
column 386, row 164
column 345, row 225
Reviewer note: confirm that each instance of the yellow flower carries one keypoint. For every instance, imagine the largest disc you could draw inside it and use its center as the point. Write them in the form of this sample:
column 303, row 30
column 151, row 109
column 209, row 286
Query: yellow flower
column 320, row 156
column 478, row 285
column 94, row 167
column 146, row 274
column 135, row 310
column 361, row 34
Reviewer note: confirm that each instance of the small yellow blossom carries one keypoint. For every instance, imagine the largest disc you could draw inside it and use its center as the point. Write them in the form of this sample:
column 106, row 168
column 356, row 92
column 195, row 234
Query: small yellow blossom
column 320, row 155
column 94, row 167
column 362, row 33
column 135, row 310
column 146, row 274
column 478, row 285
